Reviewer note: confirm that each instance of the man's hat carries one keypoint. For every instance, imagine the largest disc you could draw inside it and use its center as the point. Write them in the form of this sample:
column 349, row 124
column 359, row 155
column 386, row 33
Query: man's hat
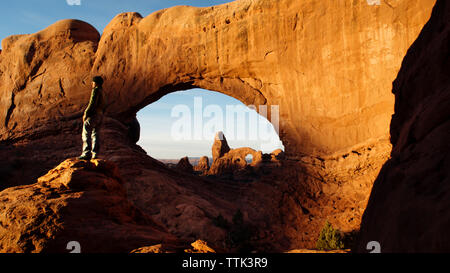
column 98, row 80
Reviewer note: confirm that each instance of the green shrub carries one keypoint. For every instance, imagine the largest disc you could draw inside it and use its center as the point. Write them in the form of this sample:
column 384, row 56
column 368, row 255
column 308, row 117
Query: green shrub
column 330, row 238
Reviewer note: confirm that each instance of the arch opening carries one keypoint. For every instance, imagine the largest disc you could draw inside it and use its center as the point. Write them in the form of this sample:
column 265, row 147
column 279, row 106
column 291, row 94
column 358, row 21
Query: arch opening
column 249, row 158
column 185, row 123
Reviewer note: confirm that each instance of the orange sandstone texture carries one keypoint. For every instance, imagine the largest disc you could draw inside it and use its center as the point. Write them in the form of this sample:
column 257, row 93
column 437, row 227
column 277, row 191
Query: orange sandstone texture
column 203, row 165
column 233, row 162
column 45, row 77
column 76, row 201
column 198, row 246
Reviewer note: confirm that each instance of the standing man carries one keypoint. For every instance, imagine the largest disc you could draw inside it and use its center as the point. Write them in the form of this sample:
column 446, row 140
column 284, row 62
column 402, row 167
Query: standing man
column 92, row 120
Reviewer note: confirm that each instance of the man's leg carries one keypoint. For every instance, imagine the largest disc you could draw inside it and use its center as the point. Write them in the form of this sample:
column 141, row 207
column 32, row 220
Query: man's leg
column 95, row 141
column 86, row 137
column 95, row 136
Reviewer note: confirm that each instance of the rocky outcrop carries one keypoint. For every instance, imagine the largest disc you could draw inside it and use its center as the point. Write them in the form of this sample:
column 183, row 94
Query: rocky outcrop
column 408, row 206
column 277, row 155
column 45, row 78
column 227, row 161
column 184, row 165
column 77, row 201
column 198, row 246
column 220, row 146
column 329, row 69
column 202, row 165
column 156, row 249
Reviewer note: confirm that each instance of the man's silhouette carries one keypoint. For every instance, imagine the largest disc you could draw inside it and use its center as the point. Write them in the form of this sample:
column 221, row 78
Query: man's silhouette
column 92, row 120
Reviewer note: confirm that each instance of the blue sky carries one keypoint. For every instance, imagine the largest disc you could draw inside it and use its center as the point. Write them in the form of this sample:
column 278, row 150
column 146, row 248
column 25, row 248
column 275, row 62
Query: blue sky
column 157, row 122
column 29, row 16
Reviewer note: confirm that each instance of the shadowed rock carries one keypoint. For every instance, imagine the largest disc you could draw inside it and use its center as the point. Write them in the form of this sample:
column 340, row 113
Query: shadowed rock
column 408, row 207
column 277, row 155
column 76, row 201
column 184, row 165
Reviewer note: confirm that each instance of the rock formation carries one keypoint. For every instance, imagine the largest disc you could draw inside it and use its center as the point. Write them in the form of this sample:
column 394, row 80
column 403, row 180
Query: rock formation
column 76, row 201
column 202, row 165
column 227, row 161
column 45, row 78
column 198, row 246
column 277, row 155
column 408, row 206
column 184, row 165
column 329, row 68
column 220, row 146
column 156, row 249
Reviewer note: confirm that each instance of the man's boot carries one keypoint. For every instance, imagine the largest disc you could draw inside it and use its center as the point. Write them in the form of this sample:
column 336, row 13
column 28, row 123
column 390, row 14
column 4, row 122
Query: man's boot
column 84, row 157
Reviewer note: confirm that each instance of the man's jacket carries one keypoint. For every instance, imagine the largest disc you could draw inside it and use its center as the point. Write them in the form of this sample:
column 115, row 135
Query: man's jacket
column 96, row 103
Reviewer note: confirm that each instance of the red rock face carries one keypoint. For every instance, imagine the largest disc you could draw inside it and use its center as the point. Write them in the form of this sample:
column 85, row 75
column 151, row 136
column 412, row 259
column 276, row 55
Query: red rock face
column 203, row 165
column 233, row 162
column 76, row 201
column 44, row 78
column 408, row 207
column 328, row 65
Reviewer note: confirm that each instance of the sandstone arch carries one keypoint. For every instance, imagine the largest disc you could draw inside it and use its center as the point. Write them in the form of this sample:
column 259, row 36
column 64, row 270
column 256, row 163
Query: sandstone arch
column 230, row 48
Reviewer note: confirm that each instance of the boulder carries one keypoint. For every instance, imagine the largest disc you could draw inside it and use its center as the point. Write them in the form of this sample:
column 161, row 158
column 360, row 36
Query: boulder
column 200, row 246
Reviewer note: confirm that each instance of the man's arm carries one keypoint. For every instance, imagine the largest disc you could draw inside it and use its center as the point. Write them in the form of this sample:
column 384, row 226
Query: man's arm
column 92, row 103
